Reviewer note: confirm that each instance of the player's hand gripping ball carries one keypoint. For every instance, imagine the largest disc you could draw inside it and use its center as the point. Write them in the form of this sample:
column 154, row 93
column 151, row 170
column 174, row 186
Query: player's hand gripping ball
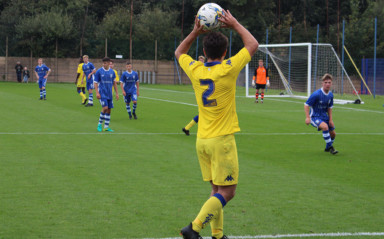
column 208, row 16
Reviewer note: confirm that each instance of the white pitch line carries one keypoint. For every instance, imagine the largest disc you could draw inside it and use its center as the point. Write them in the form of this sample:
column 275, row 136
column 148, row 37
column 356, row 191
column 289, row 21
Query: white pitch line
column 152, row 133
column 170, row 101
column 174, row 91
column 335, row 107
column 333, row 234
column 291, row 101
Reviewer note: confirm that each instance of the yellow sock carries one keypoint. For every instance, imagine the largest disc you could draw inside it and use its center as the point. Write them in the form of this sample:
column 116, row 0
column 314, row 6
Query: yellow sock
column 82, row 96
column 211, row 208
column 189, row 126
column 217, row 225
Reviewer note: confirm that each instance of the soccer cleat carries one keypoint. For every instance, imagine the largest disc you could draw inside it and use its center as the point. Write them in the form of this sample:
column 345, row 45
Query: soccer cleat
column 262, row 101
column 85, row 101
column 130, row 117
column 45, row 98
column 41, row 98
column 188, row 233
column 224, row 237
column 88, row 105
column 256, row 101
column 134, row 116
column 108, row 129
column 99, row 128
column 327, row 149
column 185, row 131
column 332, row 150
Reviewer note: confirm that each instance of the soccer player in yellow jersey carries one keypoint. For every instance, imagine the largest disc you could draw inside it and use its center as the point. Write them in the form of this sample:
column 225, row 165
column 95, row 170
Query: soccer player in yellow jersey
column 80, row 82
column 112, row 65
column 214, row 83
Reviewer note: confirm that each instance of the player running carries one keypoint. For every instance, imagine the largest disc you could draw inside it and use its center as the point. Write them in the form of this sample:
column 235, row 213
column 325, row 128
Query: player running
column 104, row 81
column 130, row 87
column 320, row 114
column 80, row 82
column 195, row 119
column 42, row 73
column 89, row 69
column 262, row 80
column 214, row 83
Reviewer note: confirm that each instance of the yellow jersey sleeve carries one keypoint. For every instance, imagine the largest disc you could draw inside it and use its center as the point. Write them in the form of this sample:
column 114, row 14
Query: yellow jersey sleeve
column 188, row 65
column 117, row 79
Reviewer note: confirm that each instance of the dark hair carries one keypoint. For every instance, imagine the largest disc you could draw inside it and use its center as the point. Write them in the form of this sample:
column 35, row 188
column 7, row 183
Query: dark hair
column 327, row 77
column 215, row 44
column 106, row 59
column 111, row 61
column 81, row 59
column 129, row 63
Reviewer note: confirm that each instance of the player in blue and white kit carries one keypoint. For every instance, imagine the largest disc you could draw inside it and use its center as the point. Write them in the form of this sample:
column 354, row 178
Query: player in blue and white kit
column 104, row 81
column 42, row 72
column 89, row 69
column 318, row 112
column 130, row 87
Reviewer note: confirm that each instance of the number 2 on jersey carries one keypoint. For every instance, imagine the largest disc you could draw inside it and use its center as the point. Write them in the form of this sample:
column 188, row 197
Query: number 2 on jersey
column 208, row 92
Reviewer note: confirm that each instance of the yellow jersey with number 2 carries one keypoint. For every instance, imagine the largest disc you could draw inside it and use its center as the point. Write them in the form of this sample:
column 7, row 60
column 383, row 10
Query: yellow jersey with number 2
column 215, row 89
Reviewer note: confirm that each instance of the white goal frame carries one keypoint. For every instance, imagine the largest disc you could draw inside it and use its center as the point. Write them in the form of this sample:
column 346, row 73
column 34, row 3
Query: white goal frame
column 309, row 73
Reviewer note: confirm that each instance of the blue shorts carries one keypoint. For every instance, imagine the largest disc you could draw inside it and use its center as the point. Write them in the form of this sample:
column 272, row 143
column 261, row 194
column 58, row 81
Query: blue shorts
column 106, row 102
column 90, row 85
column 315, row 122
column 130, row 96
column 42, row 82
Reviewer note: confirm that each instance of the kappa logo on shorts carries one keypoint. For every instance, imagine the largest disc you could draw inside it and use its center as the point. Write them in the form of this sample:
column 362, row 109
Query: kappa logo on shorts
column 229, row 178
column 317, row 121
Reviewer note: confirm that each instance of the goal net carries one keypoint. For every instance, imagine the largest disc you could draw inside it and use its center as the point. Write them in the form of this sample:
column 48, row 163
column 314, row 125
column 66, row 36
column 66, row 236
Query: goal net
column 295, row 70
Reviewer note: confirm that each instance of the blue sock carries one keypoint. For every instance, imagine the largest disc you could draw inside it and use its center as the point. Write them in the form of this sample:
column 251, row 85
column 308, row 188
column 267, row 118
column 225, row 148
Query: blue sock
column 134, row 107
column 107, row 119
column 129, row 109
column 327, row 138
column 90, row 99
column 41, row 94
column 196, row 118
column 102, row 117
column 44, row 93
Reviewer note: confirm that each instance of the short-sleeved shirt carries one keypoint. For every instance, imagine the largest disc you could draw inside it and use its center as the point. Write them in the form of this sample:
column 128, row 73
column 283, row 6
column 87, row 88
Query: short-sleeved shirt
column 87, row 69
column 117, row 76
column 320, row 102
column 215, row 88
column 129, row 80
column 261, row 74
column 104, row 79
column 80, row 71
column 41, row 71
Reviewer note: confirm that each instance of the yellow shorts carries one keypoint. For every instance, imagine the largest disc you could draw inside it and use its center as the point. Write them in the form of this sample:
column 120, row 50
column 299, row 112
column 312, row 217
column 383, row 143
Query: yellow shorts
column 81, row 85
column 218, row 159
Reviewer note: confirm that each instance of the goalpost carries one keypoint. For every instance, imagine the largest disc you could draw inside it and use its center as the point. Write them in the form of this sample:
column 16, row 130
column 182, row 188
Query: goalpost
column 295, row 70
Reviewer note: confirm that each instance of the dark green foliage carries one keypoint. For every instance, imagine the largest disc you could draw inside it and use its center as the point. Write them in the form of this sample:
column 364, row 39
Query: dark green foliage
column 35, row 25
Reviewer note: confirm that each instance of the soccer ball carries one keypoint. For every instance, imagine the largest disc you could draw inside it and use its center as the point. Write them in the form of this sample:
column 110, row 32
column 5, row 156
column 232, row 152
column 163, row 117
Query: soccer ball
column 208, row 16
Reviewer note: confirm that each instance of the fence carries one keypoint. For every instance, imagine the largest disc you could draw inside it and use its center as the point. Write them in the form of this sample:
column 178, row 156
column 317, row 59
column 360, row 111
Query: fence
column 64, row 69
column 375, row 85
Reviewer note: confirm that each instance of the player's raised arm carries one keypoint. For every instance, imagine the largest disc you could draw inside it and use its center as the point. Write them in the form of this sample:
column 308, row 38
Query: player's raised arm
column 184, row 46
column 250, row 42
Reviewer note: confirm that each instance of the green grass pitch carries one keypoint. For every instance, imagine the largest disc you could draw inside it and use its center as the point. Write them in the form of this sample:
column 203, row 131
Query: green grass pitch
column 60, row 178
